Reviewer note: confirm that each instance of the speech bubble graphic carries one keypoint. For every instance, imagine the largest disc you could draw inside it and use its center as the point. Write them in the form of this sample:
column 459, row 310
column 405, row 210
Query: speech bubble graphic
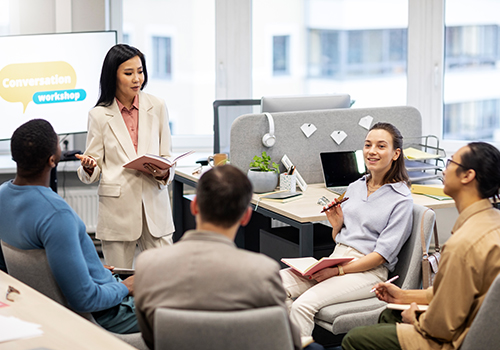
column 20, row 81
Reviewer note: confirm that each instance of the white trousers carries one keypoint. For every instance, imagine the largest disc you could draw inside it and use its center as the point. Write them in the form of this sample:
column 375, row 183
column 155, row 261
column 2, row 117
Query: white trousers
column 122, row 253
column 306, row 297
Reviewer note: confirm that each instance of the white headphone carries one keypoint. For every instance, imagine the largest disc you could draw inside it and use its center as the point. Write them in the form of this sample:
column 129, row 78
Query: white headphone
column 269, row 139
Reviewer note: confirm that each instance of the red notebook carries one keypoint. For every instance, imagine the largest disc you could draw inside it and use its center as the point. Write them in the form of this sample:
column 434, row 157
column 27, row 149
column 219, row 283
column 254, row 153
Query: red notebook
column 160, row 162
column 309, row 266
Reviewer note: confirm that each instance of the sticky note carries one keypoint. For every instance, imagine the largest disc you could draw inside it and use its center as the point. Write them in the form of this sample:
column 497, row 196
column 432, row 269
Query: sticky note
column 338, row 136
column 308, row 129
column 366, row 122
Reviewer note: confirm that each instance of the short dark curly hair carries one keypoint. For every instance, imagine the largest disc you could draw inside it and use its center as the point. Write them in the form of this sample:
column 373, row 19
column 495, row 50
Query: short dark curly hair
column 31, row 145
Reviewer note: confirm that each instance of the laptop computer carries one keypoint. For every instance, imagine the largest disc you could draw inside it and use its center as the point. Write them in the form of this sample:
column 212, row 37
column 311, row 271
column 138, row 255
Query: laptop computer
column 341, row 168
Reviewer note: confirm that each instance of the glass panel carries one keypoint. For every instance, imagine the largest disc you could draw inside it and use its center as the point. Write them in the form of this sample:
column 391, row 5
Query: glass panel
column 332, row 48
column 472, row 72
column 178, row 39
column 280, row 54
column 4, row 17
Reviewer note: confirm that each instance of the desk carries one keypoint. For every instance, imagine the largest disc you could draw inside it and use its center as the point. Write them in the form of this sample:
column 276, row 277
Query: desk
column 62, row 328
column 301, row 213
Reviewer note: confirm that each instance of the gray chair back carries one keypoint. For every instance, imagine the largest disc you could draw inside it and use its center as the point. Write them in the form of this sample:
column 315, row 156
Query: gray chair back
column 340, row 318
column 31, row 267
column 409, row 266
column 483, row 333
column 264, row 328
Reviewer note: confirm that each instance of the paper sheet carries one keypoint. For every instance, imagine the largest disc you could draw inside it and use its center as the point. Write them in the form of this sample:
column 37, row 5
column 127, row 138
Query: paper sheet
column 338, row 136
column 308, row 129
column 12, row 328
column 366, row 122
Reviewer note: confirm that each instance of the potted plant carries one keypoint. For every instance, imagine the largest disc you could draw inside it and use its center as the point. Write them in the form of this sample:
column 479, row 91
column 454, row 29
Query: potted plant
column 263, row 173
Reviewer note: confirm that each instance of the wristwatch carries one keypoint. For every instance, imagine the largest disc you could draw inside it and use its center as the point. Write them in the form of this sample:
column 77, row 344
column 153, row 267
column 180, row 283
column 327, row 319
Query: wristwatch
column 341, row 270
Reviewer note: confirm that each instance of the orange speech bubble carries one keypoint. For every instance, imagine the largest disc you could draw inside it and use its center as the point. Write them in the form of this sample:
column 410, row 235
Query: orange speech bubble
column 19, row 81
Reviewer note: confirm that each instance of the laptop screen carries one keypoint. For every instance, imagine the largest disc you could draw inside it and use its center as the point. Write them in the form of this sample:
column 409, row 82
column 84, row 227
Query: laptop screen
column 342, row 168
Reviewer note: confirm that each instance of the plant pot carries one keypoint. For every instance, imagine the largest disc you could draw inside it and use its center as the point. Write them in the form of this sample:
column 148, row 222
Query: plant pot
column 263, row 181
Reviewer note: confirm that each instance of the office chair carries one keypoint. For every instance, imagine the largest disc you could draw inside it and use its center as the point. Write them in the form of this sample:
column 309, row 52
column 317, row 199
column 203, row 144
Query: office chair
column 342, row 317
column 264, row 328
column 31, row 267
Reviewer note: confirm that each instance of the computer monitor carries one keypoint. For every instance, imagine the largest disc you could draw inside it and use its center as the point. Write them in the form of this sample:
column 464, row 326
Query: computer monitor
column 274, row 104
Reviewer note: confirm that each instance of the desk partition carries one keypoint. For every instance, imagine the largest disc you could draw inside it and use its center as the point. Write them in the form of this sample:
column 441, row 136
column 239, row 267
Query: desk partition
column 247, row 131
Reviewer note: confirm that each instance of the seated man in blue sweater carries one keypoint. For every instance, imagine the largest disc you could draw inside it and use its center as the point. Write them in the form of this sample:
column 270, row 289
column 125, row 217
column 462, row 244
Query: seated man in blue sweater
column 35, row 217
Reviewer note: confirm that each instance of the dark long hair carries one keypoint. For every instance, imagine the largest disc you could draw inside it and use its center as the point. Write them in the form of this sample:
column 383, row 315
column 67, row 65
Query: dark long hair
column 397, row 172
column 116, row 56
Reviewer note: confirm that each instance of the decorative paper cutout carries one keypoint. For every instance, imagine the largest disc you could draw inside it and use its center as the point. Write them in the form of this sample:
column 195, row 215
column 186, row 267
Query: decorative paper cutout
column 338, row 136
column 308, row 129
column 366, row 122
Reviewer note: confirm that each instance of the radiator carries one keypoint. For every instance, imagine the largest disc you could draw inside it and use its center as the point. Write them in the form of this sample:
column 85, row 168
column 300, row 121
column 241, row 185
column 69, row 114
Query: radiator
column 85, row 202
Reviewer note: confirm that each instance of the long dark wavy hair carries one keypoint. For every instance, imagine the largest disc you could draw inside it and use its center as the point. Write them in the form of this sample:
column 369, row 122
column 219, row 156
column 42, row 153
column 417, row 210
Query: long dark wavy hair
column 116, row 56
column 397, row 172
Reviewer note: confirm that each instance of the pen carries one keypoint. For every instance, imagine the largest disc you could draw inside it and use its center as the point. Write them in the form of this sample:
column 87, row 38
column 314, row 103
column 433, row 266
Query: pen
column 292, row 168
column 335, row 204
column 388, row 281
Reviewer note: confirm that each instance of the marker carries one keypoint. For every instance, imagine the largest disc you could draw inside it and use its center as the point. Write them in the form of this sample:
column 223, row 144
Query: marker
column 388, row 281
column 335, row 204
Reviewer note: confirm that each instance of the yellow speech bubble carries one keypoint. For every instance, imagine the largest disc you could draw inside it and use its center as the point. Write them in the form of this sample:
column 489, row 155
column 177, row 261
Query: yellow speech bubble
column 19, row 81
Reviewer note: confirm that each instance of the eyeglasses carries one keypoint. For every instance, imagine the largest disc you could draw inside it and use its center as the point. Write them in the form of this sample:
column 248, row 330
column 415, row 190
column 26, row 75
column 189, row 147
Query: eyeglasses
column 452, row 161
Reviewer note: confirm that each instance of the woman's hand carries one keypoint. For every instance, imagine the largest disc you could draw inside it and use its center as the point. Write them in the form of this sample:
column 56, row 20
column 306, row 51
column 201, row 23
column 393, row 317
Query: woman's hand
column 325, row 274
column 335, row 216
column 157, row 173
column 88, row 163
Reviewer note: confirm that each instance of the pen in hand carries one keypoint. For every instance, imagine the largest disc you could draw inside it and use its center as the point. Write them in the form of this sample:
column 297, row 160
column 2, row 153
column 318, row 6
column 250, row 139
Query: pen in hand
column 335, row 204
column 388, row 281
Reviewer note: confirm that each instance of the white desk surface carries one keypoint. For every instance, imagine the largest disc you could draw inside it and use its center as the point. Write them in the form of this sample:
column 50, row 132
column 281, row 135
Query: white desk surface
column 62, row 328
column 306, row 208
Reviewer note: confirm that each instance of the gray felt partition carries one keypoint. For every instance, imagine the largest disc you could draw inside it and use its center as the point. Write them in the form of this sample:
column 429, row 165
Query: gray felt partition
column 247, row 131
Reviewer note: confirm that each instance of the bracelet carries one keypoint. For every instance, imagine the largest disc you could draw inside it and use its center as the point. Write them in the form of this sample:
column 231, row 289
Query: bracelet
column 341, row 270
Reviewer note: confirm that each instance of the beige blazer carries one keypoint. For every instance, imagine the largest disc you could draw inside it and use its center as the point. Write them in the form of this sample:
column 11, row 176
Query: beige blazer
column 205, row 271
column 124, row 192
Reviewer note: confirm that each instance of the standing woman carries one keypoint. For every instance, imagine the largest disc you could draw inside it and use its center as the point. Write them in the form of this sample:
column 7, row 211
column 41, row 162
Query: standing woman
column 134, row 207
column 371, row 226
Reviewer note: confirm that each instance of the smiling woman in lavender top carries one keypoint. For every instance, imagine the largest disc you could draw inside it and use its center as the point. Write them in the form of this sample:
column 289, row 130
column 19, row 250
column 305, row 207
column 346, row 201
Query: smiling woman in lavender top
column 371, row 226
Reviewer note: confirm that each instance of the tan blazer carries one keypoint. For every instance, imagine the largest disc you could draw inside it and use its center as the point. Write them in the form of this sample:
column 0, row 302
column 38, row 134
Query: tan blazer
column 123, row 192
column 205, row 271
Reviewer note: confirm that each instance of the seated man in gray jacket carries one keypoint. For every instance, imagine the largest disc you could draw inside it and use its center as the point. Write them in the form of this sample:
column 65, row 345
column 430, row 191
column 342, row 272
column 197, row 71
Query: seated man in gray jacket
column 206, row 262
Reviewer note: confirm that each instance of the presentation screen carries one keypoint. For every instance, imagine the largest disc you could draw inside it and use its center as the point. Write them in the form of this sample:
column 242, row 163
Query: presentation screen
column 51, row 76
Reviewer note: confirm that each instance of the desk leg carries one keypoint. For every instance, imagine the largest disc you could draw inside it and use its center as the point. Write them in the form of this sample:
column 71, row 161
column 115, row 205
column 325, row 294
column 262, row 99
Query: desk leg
column 306, row 240
column 177, row 211
column 251, row 239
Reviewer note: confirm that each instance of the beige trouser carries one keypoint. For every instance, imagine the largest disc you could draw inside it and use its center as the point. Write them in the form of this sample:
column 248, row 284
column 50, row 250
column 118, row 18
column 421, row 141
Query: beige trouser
column 122, row 253
column 306, row 297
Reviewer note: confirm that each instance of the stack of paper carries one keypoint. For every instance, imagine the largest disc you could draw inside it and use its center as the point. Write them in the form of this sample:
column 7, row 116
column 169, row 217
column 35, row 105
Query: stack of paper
column 12, row 328
column 416, row 154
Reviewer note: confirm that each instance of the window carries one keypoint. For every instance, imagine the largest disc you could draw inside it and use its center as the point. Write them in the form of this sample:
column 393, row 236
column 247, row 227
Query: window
column 126, row 38
column 357, row 52
column 472, row 72
column 4, row 17
column 178, row 40
column 471, row 46
column 281, row 54
column 162, row 58
column 331, row 49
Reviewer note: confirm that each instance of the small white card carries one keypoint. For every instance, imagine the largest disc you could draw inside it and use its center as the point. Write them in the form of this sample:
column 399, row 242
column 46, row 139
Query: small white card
column 308, row 129
column 366, row 122
column 338, row 136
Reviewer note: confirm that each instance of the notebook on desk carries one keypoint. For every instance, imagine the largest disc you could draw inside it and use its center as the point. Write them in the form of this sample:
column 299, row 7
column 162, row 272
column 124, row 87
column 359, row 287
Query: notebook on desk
column 341, row 168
